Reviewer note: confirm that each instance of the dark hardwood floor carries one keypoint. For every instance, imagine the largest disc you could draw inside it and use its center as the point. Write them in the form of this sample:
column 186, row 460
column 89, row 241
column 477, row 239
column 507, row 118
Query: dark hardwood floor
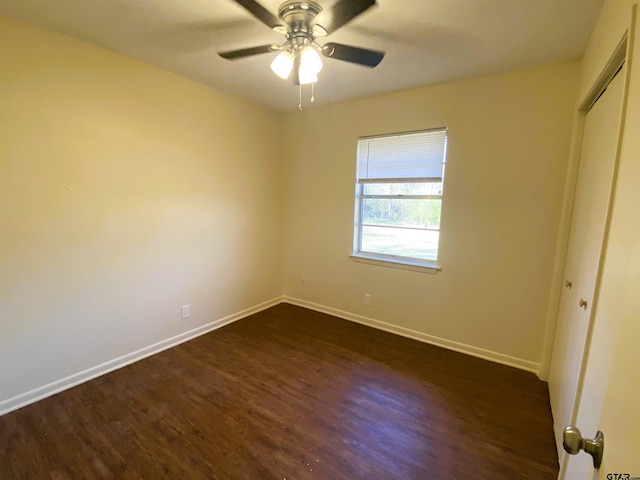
column 290, row 394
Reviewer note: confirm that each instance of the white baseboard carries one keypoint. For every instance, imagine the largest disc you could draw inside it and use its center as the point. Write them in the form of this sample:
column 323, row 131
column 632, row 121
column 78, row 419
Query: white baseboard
column 32, row 396
column 27, row 398
column 422, row 337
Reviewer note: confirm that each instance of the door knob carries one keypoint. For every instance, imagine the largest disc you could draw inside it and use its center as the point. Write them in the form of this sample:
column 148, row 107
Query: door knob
column 582, row 303
column 573, row 442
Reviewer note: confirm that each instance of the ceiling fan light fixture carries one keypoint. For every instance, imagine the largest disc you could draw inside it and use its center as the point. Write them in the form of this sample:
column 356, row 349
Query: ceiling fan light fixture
column 283, row 64
column 306, row 75
column 310, row 59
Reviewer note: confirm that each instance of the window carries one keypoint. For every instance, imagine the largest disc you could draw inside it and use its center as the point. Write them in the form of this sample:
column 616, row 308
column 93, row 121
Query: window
column 399, row 197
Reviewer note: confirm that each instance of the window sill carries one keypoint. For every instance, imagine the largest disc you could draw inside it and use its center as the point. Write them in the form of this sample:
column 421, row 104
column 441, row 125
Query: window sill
column 430, row 268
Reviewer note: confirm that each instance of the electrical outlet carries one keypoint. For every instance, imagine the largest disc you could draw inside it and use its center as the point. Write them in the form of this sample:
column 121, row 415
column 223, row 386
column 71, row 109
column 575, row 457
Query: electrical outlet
column 186, row 311
column 367, row 299
column 303, row 280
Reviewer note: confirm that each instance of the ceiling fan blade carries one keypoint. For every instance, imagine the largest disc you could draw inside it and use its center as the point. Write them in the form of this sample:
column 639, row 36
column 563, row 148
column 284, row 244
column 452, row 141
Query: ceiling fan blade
column 261, row 13
column 342, row 13
column 246, row 52
column 348, row 53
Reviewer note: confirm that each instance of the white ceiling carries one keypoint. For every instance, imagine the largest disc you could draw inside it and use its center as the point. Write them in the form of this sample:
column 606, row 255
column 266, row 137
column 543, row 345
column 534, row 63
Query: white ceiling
column 426, row 41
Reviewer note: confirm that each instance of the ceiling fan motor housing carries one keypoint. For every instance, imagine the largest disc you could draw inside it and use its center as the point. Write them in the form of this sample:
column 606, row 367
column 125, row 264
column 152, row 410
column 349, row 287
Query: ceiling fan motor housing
column 298, row 17
column 296, row 10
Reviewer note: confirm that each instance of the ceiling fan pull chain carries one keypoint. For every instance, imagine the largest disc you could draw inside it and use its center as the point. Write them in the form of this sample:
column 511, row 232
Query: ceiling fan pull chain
column 313, row 99
column 300, row 98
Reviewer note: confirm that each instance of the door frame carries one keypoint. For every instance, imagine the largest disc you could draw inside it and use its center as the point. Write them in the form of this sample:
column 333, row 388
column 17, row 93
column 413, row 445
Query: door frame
column 619, row 56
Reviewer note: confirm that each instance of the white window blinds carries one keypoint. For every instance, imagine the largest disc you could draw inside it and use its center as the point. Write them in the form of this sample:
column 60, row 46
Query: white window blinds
column 416, row 156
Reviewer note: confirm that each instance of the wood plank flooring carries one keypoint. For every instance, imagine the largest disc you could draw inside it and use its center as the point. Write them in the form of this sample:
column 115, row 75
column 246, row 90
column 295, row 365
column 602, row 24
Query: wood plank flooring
column 290, row 394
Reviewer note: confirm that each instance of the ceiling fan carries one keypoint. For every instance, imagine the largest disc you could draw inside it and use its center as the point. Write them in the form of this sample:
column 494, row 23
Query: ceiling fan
column 300, row 53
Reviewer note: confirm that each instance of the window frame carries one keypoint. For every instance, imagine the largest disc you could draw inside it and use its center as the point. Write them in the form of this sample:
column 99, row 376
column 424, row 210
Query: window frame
column 386, row 259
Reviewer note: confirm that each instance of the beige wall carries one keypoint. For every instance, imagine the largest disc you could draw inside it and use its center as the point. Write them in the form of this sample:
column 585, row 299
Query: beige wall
column 126, row 192
column 509, row 137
